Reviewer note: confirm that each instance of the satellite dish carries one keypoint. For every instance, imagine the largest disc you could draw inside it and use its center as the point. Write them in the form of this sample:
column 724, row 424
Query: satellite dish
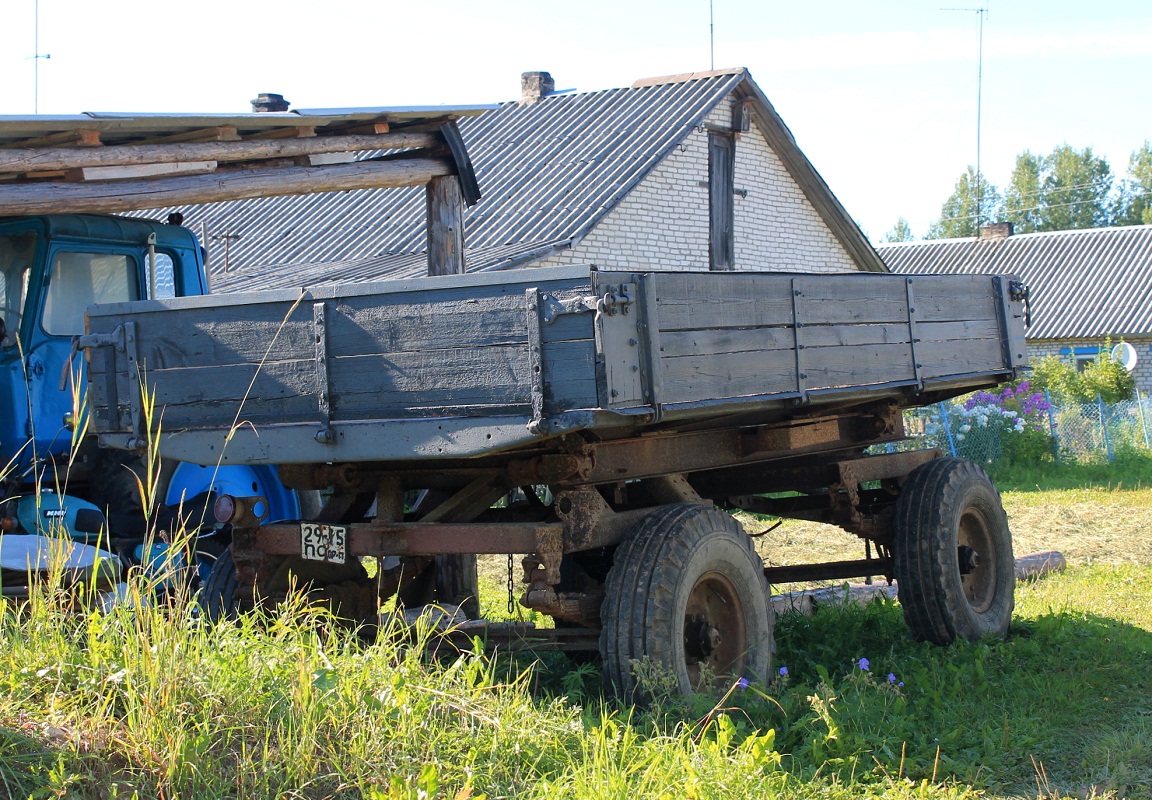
column 1124, row 354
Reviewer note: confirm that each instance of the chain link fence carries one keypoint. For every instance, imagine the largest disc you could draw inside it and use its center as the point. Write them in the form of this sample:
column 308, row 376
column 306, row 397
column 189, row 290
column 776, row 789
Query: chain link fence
column 984, row 433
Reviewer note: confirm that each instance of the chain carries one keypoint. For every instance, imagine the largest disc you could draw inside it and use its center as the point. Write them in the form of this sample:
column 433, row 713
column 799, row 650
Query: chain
column 511, row 588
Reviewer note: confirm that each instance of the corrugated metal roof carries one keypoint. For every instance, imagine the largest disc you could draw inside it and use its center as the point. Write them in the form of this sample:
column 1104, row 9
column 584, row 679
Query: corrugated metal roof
column 1084, row 284
column 547, row 172
column 129, row 128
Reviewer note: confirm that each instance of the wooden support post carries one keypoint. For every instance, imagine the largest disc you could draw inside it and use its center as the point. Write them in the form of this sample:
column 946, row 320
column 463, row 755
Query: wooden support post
column 445, row 226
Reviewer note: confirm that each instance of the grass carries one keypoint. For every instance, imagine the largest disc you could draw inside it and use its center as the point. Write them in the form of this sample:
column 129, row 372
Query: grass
column 155, row 702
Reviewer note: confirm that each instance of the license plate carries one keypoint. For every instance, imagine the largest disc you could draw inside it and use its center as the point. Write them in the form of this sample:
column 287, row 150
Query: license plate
column 320, row 542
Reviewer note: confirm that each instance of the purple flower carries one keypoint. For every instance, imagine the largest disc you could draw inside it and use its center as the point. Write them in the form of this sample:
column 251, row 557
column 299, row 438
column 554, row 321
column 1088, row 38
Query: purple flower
column 742, row 683
column 891, row 678
column 863, row 664
column 783, row 672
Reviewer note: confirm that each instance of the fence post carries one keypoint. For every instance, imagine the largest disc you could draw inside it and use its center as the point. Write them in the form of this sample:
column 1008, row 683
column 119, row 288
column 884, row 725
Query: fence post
column 947, row 427
column 1104, row 426
column 1140, row 411
column 1052, row 428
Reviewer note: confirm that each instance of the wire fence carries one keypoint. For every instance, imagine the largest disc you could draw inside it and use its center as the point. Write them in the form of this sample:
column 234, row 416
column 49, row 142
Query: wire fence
column 1084, row 432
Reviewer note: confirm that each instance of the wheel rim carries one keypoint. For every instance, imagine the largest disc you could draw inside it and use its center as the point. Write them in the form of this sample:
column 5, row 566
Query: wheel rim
column 976, row 560
column 715, row 637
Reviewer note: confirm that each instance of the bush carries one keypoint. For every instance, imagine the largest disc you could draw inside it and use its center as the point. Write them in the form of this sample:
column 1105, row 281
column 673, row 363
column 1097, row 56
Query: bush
column 1103, row 378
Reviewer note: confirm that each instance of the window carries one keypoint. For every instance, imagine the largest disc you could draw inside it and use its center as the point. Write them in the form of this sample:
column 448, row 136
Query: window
column 721, row 185
column 16, row 253
column 165, row 286
column 1080, row 356
column 80, row 279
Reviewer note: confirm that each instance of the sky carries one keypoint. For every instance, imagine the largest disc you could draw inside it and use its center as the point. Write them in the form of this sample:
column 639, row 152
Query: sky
column 880, row 95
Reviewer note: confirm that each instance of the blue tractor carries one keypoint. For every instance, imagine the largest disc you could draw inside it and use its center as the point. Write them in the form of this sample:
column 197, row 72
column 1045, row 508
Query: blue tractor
column 58, row 487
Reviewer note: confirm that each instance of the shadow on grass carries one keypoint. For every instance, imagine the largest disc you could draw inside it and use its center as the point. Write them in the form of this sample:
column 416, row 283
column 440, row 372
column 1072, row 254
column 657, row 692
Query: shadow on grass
column 1062, row 705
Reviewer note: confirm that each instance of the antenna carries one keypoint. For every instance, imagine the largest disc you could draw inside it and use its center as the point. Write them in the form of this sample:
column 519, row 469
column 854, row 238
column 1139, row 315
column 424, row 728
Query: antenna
column 980, row 12
column 36, row 59
column 711, row 38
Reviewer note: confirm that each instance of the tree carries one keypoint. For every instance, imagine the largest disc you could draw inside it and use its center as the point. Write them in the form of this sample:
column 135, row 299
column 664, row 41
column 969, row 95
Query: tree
column 971, row 204
column 1076, row 188
column 1067, row 189
column 1022, row 198
column 1134, row 206
column 901, row 232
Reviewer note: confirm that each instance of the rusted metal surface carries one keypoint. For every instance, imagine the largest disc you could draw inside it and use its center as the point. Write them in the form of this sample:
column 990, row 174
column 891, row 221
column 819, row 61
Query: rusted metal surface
column 420, row 538
column 675, row 452
column 829, row 571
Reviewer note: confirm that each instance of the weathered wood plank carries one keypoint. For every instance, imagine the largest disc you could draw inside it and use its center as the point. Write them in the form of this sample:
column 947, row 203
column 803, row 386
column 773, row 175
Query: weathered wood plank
column 453, row 376
column 139, row 171
column 59, row 198
column 943, row 298
column 28, row 159
column 688, row 379
column 960, row 356
column 569, row 376
column 715, row 341
column 700, row 300
column 857, row 365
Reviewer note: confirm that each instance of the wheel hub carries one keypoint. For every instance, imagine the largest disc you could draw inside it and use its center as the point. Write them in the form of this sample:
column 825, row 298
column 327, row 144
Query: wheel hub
column 701, row 638
column 969, row 559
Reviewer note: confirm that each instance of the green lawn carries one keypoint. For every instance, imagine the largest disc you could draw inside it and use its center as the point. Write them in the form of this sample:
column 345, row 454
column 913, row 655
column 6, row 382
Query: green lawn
column 155, row 703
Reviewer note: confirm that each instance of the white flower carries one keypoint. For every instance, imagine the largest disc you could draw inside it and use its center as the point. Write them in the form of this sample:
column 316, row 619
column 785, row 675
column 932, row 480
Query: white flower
column 965, row 428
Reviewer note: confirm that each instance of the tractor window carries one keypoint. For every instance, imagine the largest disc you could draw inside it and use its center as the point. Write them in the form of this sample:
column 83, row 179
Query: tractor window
column 80, row 279
column 16, row 253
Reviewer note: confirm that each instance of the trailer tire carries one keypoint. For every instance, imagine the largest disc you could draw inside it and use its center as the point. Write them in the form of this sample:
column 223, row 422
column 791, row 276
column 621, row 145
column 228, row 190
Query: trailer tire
column 687, row 601
column 952, row 554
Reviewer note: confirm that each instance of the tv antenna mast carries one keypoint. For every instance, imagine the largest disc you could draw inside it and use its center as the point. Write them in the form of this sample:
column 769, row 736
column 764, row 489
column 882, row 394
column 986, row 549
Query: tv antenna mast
column 980, row 12
column 36, row 59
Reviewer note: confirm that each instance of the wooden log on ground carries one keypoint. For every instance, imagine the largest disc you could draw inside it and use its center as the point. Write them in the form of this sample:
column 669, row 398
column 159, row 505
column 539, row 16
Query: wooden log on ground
column 27, row 159
column 1038, row 564
column 110, row 197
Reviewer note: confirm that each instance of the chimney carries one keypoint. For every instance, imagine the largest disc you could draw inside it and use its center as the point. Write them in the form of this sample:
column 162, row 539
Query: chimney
column 267, row 101
column 997, row 230
column 534, row 86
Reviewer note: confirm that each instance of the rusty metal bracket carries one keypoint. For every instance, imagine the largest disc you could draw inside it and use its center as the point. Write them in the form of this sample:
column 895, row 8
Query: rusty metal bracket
column 798, row 344
column 913, row 335
column 323, row 386
column 552, row 309
column 535, row 360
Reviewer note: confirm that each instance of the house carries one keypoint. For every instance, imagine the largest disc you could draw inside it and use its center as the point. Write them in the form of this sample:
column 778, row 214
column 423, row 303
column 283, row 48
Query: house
column 688, row 172
column 1084, row 285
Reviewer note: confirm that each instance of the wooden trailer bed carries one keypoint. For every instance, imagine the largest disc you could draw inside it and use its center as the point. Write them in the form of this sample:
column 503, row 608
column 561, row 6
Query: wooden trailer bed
column 470, row 365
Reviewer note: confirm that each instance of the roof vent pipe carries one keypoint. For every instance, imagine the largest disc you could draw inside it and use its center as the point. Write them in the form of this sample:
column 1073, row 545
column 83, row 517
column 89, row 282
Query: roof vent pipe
column 535, row 86
column 267, row 101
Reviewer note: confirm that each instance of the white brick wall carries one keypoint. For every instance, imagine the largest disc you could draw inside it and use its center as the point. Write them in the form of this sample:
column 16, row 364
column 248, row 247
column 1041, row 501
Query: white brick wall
column 663, row 221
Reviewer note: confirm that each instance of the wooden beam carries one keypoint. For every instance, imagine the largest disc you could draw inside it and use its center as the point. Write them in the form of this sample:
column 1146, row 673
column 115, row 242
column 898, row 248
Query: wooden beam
column 27, row 160
column 110, row 197
column 369, row 128
column 292, row 132
column 77, row 138
column 221, row 133
column 445, row 225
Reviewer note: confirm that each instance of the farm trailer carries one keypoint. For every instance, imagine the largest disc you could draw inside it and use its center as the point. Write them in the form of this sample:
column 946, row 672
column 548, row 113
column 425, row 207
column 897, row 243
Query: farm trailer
column 601, row 422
